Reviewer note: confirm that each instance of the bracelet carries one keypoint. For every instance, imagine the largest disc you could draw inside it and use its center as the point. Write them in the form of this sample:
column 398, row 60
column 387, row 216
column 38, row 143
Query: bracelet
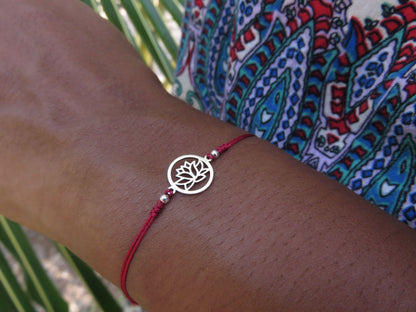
column 194, row 174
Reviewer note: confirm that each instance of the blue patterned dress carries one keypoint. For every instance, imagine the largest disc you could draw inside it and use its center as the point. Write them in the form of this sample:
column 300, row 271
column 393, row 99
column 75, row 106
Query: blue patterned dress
column 333, row 83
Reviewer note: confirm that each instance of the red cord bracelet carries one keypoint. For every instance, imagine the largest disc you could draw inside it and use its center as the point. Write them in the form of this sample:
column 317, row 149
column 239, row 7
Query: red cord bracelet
column 194, row 174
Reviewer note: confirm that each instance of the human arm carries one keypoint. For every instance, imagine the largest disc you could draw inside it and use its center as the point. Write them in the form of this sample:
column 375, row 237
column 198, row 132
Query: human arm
column 87, row 135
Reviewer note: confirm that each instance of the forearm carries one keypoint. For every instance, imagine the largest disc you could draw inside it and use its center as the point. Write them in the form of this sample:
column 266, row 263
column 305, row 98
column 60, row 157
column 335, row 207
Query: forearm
column 269, row 234
column 89, row 137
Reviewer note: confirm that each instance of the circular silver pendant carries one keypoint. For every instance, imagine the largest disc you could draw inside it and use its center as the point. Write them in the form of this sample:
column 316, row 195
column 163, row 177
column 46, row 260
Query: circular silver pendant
column 190, row 174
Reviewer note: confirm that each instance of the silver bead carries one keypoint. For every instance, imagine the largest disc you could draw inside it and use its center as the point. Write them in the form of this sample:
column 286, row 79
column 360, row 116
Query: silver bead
column 215, row 154
column 164, row 198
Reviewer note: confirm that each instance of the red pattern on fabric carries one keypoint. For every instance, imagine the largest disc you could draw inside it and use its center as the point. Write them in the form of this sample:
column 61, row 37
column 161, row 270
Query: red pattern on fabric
column 352, row 117
column 347, row 161
column 337, row 108
column 364, row 107
column 362, row 48
column 344, row 60
column 392, row 24
column 321, row 42
column 248, row 36
column 331, row 139
column 339, row 124
column 304, row 16
column 370, row 137
column 199, row 3
column 300, row 133
column 359, row 151
column 292, row 25
column 307, row 121
column 321, row 8
column 411, row 89
column 374, row 36
column 408, row 11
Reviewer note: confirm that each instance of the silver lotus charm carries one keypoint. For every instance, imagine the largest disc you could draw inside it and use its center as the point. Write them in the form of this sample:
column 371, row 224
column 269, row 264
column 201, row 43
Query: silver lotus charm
column 191, row 172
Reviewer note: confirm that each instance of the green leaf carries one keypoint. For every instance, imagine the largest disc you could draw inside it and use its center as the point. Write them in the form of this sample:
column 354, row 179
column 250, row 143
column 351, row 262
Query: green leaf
column 92, row 4
column 100, row 293
column 50, row 297
column 148, row 38
column 112, row 11
column 5, row 302
column 12, row 288
column 174, row 10
column 161, row 31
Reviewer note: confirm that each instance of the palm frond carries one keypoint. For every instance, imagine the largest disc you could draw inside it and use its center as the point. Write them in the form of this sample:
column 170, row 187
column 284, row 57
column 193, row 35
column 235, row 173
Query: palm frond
column 144, row 25
column 13, row 237
column 103, row 298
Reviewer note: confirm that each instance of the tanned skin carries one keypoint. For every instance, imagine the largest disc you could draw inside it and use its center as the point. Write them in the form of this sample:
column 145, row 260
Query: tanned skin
column 86, row 135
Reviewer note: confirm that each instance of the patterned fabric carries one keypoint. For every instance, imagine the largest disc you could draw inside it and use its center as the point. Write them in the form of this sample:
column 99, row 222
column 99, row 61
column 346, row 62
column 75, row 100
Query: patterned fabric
column 331, row 82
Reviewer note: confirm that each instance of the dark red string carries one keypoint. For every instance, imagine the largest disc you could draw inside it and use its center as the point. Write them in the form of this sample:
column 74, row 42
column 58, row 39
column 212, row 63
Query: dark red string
column 132, row 250
column 153, row 215
column 222, row 148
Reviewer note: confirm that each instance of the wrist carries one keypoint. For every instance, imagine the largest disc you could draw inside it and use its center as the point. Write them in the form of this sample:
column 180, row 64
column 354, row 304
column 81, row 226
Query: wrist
column 124, row 160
